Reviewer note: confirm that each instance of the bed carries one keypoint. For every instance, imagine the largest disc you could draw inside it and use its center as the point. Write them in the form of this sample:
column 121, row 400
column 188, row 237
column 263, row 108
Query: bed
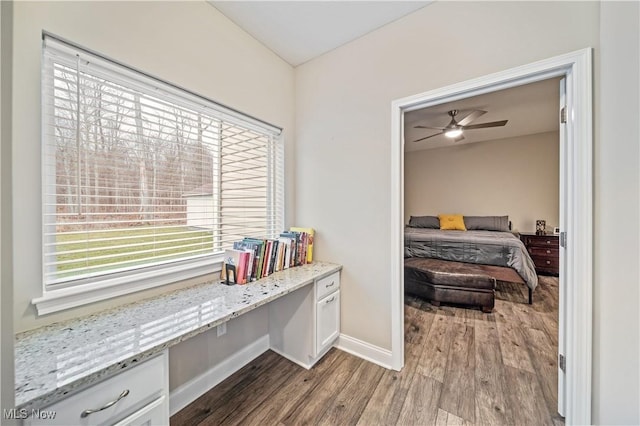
column 498, row 248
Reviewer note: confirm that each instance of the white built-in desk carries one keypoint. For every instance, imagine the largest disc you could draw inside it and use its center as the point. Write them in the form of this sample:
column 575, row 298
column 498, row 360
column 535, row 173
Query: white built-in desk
column 61, row 359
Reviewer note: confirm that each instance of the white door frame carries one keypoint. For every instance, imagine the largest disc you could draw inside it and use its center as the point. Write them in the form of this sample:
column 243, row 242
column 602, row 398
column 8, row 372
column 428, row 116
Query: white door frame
column 563, row 130
column 576, row 66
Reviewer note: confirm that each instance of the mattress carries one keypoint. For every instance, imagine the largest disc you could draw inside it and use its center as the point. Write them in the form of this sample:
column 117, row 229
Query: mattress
column 480, row 247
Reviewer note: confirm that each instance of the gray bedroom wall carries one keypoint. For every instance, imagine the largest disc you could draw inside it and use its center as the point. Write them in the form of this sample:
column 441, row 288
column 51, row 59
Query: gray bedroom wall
column 518, row 177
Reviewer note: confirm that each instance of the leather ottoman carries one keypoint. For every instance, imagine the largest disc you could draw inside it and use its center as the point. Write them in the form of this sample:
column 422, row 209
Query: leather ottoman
column 451, row 282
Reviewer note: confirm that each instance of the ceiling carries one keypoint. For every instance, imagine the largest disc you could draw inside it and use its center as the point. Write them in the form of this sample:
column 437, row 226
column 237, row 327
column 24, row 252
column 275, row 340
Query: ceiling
column 531, row 108
column 299, row 31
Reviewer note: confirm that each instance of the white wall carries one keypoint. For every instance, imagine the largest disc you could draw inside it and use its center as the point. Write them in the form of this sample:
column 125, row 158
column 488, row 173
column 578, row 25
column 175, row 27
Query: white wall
column 7, row 392
column 517, row 177
column 207, row 349
column 343, row 124
column 343, row 149
column 616, row 349
column 187, row 43
column 343, row 132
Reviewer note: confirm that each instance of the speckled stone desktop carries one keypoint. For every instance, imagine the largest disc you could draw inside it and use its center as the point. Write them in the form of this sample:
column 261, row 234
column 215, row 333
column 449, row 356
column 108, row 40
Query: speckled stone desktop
column 54, row 361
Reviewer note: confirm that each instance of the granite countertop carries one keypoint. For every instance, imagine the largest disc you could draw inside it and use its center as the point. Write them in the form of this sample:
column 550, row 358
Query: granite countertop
column 56, row 360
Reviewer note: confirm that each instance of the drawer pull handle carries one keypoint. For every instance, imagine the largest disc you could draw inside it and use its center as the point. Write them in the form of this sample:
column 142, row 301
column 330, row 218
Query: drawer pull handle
column 331, row 300
column 330, row 285
column 548, row 251
column 548, row 242
column 86, row 413
column 548, row 262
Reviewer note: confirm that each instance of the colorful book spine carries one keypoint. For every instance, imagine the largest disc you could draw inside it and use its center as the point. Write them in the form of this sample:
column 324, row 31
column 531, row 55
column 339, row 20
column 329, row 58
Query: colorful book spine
column 242, row 267
column 305, row 247
column 255, row 258
column 261, row 259
column 309, row 243
column 259, row 246
column 278, row 266
column 249, row 273
column 256, row 246
column 267, row 258
column 287, row 255
column 285, row 243
column 273, row 257
column 293, row 251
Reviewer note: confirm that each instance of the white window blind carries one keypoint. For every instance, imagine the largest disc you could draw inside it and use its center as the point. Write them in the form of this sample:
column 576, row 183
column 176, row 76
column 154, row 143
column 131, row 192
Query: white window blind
column 139, row 175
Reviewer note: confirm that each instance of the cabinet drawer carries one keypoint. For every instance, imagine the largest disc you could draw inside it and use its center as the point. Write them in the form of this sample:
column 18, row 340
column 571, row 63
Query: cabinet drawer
column 544, row 251
column 541, row 241
column 545, row 262
column 151, row 414
column 144, row 383
column 327, row 285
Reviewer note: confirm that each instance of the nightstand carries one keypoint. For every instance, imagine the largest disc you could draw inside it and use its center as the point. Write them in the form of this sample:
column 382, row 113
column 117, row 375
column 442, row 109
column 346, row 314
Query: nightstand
column 544, row 251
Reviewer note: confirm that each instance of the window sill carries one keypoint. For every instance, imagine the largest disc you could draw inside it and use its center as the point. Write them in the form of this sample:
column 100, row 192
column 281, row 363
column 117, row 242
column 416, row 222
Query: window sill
column 62, row 299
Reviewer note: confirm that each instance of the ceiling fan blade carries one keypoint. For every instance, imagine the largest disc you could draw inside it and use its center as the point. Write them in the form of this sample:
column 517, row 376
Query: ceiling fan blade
column 485, row 125
column 471, row 117
column 427, row 137
column 428, row 127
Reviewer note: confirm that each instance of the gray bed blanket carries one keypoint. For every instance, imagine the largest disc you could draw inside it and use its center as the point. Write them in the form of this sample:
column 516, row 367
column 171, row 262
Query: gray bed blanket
column 483, row 247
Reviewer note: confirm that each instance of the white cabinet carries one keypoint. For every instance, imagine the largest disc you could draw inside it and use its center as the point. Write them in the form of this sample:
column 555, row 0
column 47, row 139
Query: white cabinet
column 327, row 313
column 304, row 324
column 137, row 396
column 327, row 321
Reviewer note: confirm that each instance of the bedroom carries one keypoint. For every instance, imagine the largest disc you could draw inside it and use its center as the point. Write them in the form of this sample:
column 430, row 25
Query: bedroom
column 337, row 110
column 512, row 168
column 525, row 168
column 518, row 138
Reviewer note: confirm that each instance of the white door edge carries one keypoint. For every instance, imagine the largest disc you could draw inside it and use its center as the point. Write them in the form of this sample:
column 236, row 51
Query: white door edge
column 562, row 279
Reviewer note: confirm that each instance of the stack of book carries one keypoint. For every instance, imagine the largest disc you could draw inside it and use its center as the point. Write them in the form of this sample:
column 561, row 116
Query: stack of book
column 254, row 258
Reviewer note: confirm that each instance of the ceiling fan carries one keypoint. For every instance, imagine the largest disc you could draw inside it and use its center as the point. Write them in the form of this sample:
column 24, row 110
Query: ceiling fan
column 455, row 128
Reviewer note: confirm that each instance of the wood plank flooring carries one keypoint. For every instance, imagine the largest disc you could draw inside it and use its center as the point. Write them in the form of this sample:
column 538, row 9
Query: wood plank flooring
column 462, row 367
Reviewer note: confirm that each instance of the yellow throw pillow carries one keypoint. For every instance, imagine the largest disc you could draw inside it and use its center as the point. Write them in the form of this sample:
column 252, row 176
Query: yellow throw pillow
column 452, row 222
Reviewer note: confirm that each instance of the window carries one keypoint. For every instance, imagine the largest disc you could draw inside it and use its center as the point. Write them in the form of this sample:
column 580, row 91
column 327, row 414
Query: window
column 142, row 179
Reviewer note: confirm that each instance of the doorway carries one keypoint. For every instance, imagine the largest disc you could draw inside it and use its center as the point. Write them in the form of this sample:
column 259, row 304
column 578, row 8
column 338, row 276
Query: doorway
column 503, row 171
column 576, row 206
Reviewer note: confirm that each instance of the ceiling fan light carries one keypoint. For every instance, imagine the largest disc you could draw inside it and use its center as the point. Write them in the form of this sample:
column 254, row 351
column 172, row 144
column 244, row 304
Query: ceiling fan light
column 453, row 133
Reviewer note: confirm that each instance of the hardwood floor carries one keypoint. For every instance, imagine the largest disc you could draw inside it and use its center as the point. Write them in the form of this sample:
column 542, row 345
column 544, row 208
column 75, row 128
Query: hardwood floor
column 461, row 367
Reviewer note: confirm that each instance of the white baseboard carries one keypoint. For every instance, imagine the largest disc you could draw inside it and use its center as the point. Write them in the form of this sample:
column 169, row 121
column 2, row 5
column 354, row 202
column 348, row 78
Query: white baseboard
column 364, row 350
column 194, row 388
